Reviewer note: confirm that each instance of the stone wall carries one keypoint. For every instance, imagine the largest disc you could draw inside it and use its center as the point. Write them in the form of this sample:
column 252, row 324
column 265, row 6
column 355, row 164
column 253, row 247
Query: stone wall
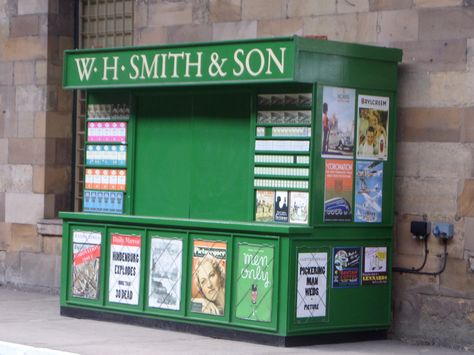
column 435, row 174
column 35, row 137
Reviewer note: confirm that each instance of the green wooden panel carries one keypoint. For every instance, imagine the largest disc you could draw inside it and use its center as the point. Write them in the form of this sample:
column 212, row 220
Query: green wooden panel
column 162, row 165
column 221, row 157
column 345, row 307
column 192, row 156
column 346, row 71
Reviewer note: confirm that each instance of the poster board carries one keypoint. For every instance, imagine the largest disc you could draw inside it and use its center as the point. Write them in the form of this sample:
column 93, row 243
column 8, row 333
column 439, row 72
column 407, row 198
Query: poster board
column 254, row 286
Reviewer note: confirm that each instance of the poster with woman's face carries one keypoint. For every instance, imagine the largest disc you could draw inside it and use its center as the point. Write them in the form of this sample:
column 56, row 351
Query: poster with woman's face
column 337, row 139
column 372, row 127
column 208, row 277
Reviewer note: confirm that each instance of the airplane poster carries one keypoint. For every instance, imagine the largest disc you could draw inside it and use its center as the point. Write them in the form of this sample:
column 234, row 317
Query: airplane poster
column 368, row 192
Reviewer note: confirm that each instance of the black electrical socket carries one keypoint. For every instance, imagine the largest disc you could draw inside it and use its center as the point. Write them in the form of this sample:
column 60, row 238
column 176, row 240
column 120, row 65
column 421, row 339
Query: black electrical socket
column 420, row 229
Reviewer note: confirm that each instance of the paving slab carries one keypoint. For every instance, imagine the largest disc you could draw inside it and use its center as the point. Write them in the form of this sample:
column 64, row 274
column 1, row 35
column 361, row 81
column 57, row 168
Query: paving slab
column 30, row 324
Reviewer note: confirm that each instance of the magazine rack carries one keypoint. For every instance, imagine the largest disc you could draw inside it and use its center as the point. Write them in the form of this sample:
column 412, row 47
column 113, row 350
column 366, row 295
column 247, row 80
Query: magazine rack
column 239, row 189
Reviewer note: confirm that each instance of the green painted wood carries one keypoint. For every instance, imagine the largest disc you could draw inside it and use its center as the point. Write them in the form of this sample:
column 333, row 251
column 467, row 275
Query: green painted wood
column 162, row 167
column 180, row 223
column 202, row 154
column 220, row 178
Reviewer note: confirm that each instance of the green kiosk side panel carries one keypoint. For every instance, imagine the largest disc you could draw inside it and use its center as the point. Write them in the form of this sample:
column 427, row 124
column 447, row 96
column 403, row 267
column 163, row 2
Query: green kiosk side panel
column 340, row 285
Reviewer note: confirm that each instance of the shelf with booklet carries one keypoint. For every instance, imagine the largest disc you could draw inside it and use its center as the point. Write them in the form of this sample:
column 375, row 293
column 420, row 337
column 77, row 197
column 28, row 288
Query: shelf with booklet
column 107, row 132
column 283, row 141
column 108, row 112
column 98, row 201
column 106, row 155
column 104, row 190
column 105, row 179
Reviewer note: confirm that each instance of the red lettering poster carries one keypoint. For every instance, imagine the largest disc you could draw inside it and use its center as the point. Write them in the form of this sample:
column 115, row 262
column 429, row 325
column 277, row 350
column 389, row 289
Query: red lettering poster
column 86, row 264
column 124, row 269
column 338, row 190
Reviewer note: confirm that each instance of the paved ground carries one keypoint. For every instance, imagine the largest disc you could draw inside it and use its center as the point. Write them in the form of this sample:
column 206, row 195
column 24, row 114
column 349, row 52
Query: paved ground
column 33, row 320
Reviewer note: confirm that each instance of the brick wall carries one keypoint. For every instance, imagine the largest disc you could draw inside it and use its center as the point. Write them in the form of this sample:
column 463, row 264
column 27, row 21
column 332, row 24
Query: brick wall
column 435, row 174
column 35, row 137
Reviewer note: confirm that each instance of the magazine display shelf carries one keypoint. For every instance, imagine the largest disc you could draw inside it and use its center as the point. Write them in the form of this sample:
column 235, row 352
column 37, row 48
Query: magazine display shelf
column 255, row 189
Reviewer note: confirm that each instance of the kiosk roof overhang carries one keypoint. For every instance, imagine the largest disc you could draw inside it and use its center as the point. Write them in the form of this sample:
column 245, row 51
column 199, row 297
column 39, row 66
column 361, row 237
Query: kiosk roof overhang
column 275, row 60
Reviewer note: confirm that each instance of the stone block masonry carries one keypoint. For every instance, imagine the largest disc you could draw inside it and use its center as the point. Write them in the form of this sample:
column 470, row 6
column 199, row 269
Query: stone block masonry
column 35, row 137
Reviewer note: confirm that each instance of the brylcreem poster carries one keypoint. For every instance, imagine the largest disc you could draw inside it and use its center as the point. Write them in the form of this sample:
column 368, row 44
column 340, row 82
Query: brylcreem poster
column 372, row 137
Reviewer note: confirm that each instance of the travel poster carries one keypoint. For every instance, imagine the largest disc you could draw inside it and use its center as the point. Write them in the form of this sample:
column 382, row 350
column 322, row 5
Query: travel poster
column 375, row 266
column 265, row 205
column 368, row 191
column 208, row 277
column 312, row 276
column 338, row 122
column 346, row 267
column 338, row 190
column 86, row 264
column 124, row 269
column 254, row 282
column 299, row 206
column 372, row 125
column 166, row 259
column 281, row 206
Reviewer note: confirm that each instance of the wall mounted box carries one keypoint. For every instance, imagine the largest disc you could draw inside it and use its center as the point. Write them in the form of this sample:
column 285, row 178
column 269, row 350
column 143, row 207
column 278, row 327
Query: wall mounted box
column 256, row 187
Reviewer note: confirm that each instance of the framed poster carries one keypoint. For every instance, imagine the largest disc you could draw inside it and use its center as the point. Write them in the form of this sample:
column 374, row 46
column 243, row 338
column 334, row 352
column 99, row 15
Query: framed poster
column 208, row 277
column 311, row 291
column 372, row 123
column 166, row 260
column 368, row 191
column 254, row 282
column 375, row 266
column 299, row 206
column 346, row 267
column 281, row 206
column 265, row 205
column 338, row 190
column 86, row 264
column 124, row 269
column 338, row 123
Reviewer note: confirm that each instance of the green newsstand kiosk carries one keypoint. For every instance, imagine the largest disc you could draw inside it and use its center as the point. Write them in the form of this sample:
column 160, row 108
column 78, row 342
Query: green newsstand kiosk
column 239, row 189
